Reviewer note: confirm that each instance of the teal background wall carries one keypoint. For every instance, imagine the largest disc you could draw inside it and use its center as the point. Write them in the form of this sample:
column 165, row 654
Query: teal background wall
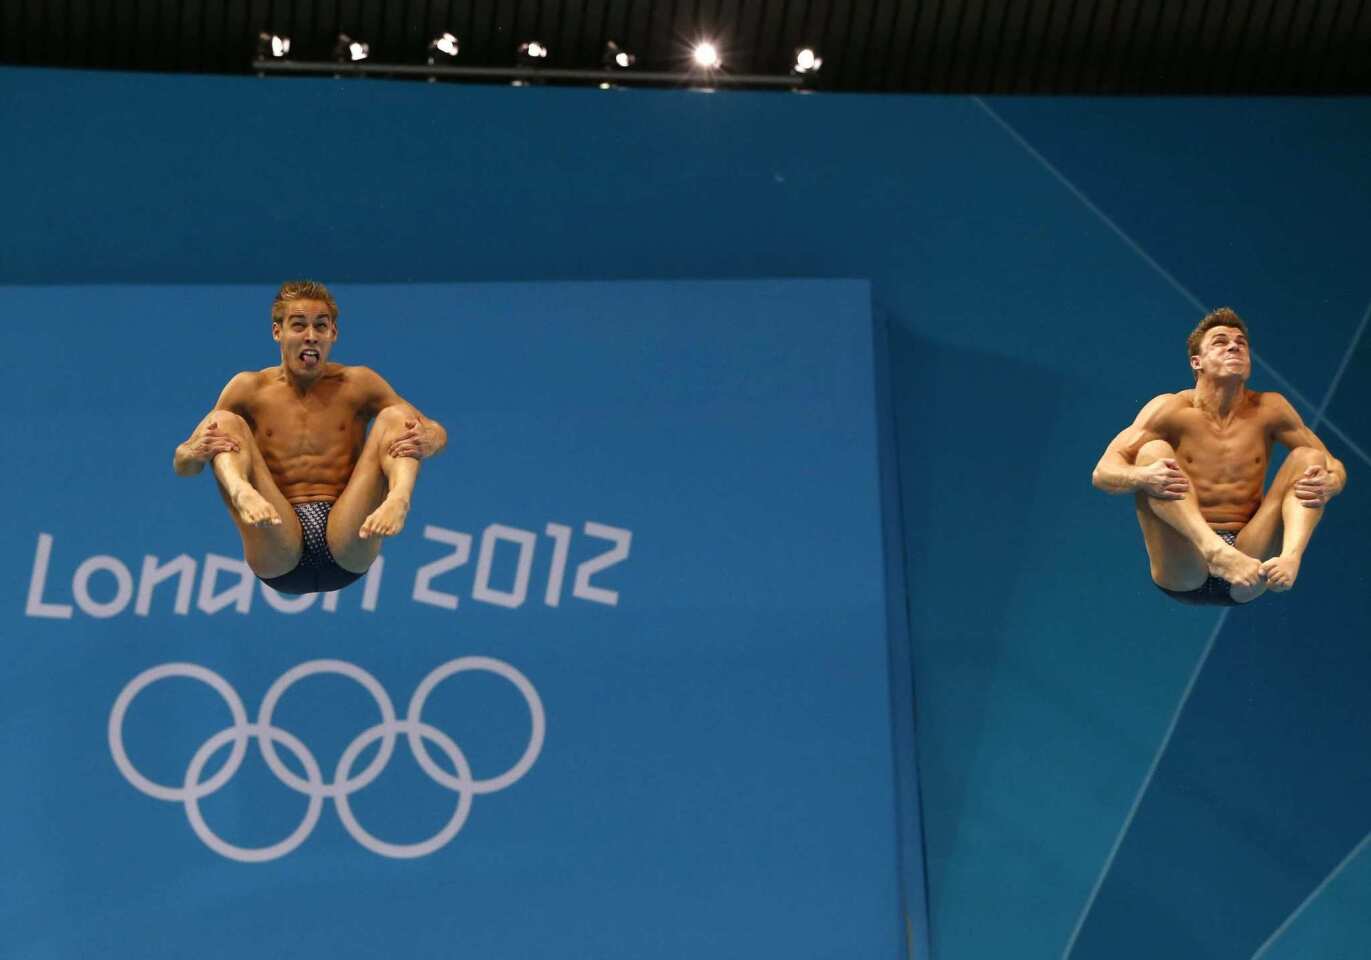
column 1104, row 774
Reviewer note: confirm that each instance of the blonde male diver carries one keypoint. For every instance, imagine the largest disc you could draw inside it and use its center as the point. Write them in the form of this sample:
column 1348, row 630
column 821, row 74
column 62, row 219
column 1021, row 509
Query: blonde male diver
column 312, row 493
column 1196, row 461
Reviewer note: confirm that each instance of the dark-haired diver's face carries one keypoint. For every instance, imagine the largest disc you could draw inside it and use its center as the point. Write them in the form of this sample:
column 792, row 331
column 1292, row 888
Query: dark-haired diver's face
column 1223, row 355
column 306, row 335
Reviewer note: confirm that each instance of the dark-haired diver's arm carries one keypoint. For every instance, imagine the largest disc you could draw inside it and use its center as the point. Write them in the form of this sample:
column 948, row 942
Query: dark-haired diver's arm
column 1317, row 486
column 1117, row 471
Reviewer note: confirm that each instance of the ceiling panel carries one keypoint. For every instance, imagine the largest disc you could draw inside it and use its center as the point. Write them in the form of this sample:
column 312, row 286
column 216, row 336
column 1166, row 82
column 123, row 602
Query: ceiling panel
column 980, row 46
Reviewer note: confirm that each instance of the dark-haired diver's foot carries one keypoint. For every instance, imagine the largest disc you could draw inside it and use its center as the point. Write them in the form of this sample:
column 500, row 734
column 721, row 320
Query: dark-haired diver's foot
column 1280, row 573
column 1234, row 566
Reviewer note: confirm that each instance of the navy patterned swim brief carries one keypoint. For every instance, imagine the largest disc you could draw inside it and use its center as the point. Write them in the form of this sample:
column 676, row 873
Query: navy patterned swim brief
column 1214, row 592
column 317, row 571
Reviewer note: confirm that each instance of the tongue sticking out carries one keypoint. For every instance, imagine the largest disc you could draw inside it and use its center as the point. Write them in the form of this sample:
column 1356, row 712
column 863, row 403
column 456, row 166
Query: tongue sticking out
column 309, row 358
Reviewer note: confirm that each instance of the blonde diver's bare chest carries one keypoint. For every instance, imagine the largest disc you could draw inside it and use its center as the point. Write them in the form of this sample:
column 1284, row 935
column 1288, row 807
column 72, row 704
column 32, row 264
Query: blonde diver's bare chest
column 291, row 428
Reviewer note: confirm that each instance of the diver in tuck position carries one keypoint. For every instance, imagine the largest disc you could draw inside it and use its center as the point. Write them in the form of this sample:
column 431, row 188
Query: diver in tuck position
column 311, row 491
column 1196, row 460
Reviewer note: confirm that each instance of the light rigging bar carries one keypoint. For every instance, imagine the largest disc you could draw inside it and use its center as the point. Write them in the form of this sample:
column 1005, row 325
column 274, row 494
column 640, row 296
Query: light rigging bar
column 619, row 78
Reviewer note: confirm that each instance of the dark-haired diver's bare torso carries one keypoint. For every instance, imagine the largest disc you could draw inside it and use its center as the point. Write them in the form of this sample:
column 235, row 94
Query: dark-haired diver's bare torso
column 1225, row 458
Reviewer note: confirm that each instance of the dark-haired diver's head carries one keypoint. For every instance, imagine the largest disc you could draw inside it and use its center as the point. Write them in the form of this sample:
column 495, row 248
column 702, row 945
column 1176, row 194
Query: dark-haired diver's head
column 1218, row 347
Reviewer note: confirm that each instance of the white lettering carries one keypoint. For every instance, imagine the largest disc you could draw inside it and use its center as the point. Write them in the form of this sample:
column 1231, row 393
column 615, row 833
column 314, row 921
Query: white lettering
column 152, row 575
column 212, row 598
column 239, row 595
column 461, row 544
column 481, row 589
column 36, row 606
column 561, row 545
column 371, row 586
column 123, row 591
column 621, row 540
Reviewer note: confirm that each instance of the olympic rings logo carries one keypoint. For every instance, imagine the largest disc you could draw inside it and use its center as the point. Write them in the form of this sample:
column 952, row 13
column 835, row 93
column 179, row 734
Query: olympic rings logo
column 344, row 782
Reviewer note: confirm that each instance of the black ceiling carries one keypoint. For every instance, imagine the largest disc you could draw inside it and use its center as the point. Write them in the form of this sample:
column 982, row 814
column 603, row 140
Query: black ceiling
column 982, row 46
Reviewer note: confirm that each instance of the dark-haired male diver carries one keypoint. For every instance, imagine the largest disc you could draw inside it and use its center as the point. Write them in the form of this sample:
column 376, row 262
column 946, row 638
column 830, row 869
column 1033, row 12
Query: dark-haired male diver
column 1196, row 461
column 311, row 491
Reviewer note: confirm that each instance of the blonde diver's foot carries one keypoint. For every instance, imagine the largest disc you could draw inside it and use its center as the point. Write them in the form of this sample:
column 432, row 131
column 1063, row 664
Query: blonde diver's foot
column 253, row 508
column 386, row 520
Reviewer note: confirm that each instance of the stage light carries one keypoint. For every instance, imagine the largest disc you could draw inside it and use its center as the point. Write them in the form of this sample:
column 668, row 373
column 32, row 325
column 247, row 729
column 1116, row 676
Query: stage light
column 807, row 61
column 533, row 50
column 442, row 46
column 616, row 58
column 706, row 55
column 272, row 45
column 348, row 49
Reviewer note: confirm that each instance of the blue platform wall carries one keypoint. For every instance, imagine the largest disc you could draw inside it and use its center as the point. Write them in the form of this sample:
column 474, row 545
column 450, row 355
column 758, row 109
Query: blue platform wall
column 1103, row 774
column 688, row 685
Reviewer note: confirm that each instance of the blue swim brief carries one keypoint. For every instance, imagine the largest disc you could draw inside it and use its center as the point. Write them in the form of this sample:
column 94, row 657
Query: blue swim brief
column 1215, row 591
column 317, row 571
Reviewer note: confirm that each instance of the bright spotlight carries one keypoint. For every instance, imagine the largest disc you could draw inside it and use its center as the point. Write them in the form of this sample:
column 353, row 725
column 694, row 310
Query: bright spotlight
column 273, row 45
column 616, row 58
column 446, row 45
column 706, row 55
column 807, row 61
column 534, row 50
column 348, row 49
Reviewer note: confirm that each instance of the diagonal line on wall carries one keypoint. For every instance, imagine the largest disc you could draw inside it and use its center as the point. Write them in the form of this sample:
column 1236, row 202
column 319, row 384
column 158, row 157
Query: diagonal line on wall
column 1320, row 415
column 1342, row 367
column 1313, row 895
column 1276, row 375
column 1333, row 428
column 1152, row 262
column 1351, row 445
column 1146, row 782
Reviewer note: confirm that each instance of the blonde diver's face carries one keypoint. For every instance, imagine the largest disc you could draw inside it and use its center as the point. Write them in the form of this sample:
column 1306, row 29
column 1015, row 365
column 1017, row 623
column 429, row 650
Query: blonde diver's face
column 306, row 334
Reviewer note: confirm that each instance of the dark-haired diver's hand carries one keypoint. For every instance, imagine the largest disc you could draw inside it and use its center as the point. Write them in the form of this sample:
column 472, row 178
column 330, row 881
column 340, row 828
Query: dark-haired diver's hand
column 1163, row 480
column 1314, row 487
